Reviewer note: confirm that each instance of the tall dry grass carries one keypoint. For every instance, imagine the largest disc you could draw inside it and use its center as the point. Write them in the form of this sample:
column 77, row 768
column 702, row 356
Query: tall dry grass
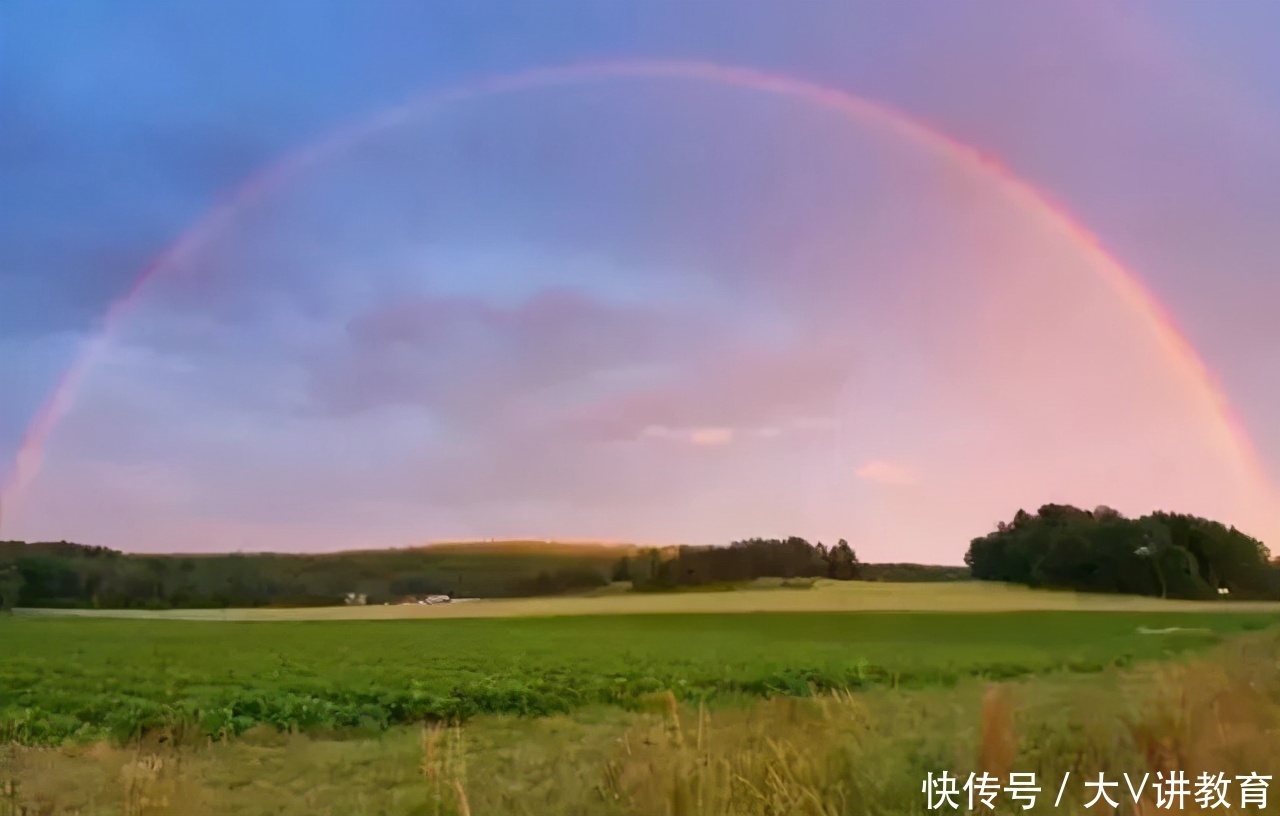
column 858, row 754
column 444, row 768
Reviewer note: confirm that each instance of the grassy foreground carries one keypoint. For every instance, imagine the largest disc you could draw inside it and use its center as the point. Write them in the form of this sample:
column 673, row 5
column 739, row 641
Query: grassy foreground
column 89, row 679
column 830, row 755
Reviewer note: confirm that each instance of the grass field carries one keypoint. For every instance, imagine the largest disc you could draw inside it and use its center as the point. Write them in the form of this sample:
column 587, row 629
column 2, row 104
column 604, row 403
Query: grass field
column 825, row 596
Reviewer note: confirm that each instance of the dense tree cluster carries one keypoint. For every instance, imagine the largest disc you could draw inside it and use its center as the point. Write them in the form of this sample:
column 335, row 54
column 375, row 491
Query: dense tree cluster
column 1162, row 554
column 912, row 573
column 739, row 562
column 10, row 585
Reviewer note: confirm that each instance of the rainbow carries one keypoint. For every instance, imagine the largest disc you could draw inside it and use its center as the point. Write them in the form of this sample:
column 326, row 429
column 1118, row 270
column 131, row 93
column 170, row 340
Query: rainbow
column 1201, row 385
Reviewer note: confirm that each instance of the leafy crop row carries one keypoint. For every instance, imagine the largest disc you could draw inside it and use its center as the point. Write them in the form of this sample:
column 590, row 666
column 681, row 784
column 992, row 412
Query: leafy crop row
column 94, row 679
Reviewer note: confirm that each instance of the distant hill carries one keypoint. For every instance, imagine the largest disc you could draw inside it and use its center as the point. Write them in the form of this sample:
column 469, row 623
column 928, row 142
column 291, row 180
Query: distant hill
column 913, row 573
column 73, row 575
column 63, row 574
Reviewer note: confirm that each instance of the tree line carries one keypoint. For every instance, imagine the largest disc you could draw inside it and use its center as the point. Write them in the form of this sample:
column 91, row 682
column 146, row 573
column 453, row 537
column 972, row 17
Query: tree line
column 1162, row 554
column 1165, row 555
column 741, row 561
column 62, row 574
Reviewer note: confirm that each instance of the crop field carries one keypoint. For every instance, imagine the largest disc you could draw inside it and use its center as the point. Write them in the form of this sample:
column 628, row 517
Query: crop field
column 86, row 679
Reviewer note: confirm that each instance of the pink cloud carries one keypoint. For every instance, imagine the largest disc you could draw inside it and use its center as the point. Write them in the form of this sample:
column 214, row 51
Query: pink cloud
column 711, row 436
column 884, row 472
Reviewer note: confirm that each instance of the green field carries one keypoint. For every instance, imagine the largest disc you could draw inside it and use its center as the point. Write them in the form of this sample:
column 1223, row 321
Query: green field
column 91, row 678
column 686, row 704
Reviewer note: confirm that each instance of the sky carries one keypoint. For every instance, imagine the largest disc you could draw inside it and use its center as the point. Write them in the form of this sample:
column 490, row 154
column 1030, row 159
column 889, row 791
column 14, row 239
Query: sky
column 661, row 309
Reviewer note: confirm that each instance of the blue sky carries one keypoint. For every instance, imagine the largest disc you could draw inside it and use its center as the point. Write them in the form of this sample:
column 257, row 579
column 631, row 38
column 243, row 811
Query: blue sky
column 518, row 316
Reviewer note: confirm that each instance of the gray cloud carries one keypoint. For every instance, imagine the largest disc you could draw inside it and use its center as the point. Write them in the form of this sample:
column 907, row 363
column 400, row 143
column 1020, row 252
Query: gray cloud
column 565, row 363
